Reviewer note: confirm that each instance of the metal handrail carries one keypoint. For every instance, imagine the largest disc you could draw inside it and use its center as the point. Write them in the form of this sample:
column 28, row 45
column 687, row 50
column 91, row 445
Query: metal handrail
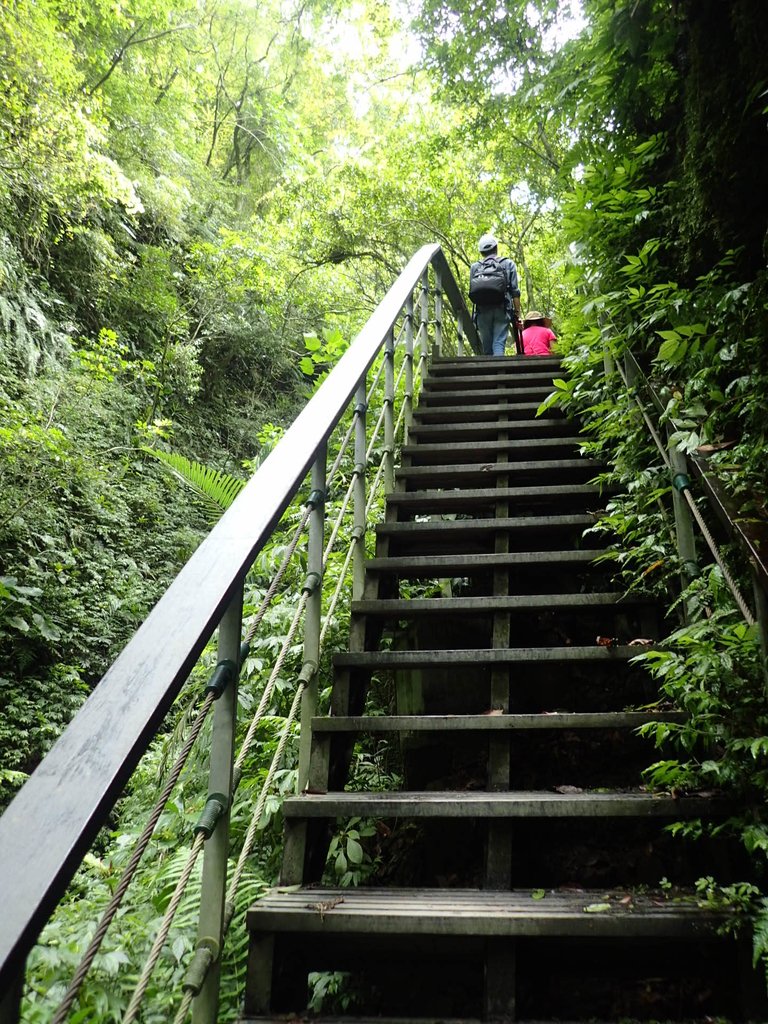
column 53, row 820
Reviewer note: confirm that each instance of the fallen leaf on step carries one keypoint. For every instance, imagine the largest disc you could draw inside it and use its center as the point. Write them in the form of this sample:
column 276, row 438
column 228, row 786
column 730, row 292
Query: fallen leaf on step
column 640, row 641
column 606, row 641
column 495, row 711
column 597, row 908
column 568, row 789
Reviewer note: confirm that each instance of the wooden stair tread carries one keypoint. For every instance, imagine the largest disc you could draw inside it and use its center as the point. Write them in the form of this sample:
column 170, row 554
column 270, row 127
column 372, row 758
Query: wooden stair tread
column 539, row 427
column 478, row 468
column 488, row 524
column 486, row 605
column 457, row 413
column 435, row 399
column 485, row 656
column 476, row 804
column 434, row 564
column 475, row 912
column 485, row 494
column 492, row 722
column 480, row 448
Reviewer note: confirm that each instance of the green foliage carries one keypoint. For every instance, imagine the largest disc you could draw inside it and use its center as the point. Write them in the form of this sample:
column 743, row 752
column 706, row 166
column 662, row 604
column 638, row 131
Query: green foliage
column 215, row 489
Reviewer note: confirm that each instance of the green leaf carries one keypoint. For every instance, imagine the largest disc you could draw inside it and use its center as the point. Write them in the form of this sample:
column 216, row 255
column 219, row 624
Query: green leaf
column 597, row 908
column 673, row 351
column 354, row 851
column 538, row 894
column 216, row 489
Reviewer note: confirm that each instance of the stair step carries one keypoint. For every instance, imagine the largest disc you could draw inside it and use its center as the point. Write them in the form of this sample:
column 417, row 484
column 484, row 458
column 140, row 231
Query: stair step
column 485, row 656
column 473, row 912
column 495, row 364
column 440, row 566
column 514, row 428
column 481, row 451
column 435, row 500
column 406, row 608
column 488, row 383
column 466, row 413
column 444, row 528
column 474, row 804
column 491, row 723
column 445, row 474
column 431, row 398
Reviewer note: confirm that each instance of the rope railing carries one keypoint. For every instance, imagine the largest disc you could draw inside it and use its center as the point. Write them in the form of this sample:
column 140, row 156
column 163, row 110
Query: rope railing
column 681, row 483
column 130, row 870
column 218, row 572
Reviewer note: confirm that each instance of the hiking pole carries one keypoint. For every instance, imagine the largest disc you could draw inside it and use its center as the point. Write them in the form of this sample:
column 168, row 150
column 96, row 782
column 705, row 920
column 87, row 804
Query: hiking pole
column 517, row 331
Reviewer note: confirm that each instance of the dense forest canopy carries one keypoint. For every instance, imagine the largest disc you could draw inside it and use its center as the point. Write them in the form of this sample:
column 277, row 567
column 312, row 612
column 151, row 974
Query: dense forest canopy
column 187, row 191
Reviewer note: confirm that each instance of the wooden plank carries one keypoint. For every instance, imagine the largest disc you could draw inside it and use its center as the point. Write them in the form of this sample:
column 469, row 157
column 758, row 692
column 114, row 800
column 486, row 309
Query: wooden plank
column 494, row 723
column 486, row 656
column 460, row 413
column 480, row 449
column 394, row 607
column 430, row 397
column 499, row 493
column 513, row 804
column 488, row 524
column 436, row 565
column 546, row 466
column 480, row 913
column 521, row 428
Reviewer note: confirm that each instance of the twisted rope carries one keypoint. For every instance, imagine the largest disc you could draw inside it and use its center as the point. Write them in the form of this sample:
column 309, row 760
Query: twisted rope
column 342, row 449
column 183, row 1011
column 266, row 600
column 339, row 518
column 337, row 591
column 375, row 433
column 256, row 817
column 248, row 740
column 711, row 543
column 165, row 927
column 732, row 585
column 127, row 877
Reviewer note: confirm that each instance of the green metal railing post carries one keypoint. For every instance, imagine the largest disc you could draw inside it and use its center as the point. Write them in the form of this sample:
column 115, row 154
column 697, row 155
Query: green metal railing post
column 424, row 319
column 389, row 412
column 312, row 617
column 408, row 398
column 359, row 518
column 684, row 529
column 214, row 882
column 761, row 616
column 438, row 313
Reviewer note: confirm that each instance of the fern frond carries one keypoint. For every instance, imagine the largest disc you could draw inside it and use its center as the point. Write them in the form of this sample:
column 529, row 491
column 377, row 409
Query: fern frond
column 215, row 489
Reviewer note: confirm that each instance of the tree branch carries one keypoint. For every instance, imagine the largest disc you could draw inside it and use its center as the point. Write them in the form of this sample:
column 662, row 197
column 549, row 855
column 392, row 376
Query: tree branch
column 133, row 41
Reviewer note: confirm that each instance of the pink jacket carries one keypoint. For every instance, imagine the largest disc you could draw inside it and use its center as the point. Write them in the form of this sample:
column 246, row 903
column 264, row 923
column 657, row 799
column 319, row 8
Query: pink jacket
column 537, row 341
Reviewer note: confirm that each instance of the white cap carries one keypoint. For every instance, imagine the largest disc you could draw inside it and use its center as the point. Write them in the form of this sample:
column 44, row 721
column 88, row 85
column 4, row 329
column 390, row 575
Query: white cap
column 487, row 243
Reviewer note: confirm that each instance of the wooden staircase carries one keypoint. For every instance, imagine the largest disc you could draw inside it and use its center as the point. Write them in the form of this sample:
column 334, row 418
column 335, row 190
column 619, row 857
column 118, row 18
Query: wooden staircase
column 519, row 868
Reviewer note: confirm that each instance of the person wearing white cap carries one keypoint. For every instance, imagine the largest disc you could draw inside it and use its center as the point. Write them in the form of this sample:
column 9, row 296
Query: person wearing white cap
column 495, row 294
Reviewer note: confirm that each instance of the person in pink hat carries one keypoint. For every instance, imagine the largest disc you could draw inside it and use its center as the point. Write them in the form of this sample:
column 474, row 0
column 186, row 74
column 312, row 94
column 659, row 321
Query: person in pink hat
column 537, row 334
